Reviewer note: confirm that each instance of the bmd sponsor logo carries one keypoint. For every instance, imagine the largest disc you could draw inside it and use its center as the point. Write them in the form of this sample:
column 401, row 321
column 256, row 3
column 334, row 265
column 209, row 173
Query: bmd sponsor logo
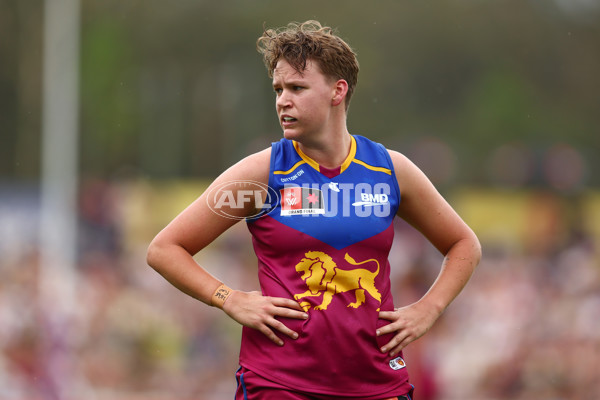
column 370, row 199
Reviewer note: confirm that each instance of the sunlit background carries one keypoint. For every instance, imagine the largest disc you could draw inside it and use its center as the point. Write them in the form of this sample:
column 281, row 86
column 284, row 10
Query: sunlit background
column 114, row 116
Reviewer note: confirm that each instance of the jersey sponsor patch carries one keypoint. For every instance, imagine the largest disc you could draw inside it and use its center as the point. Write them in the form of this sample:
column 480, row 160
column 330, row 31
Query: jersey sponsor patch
column 301, row 200
column 397, row 363
column 293, row 177
column 368, row 199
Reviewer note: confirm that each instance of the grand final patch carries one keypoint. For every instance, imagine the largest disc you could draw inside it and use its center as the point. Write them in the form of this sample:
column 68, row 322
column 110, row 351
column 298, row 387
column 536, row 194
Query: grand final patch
column 301, row 200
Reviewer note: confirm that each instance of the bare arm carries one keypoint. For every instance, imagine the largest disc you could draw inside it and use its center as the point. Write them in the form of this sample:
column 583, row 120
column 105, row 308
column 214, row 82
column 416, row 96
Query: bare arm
column 425, row 209
column 172, row 250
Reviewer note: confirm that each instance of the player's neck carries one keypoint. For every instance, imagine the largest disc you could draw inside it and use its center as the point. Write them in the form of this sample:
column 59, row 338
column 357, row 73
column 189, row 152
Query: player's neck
column 331, row 151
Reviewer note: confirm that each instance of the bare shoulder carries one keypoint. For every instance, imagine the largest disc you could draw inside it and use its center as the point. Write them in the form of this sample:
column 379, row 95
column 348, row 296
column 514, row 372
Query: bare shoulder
column 398, row 159
column 407, row 173
column 209, row 216
column 425, row 208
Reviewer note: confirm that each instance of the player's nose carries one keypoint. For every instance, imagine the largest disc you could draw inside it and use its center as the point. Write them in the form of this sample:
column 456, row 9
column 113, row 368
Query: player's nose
column 283, row 100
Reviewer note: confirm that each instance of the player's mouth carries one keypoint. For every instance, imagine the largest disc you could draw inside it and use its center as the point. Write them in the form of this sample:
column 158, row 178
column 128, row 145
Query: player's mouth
column 286, row 120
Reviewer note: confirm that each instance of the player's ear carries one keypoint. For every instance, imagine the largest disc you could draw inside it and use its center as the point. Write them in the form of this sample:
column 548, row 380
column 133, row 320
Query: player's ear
column 340, row 90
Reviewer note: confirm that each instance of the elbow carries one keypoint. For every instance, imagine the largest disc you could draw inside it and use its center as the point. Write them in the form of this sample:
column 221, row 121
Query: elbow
column 468, row 249
column 153, row 254
column 161, row 252
column 476, row 249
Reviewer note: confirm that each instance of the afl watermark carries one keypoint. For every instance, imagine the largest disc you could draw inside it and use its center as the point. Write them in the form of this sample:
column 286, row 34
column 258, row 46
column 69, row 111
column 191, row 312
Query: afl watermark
column 230, row 199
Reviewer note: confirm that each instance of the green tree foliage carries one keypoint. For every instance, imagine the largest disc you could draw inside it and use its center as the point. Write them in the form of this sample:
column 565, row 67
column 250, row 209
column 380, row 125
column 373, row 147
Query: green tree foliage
column 176, row 89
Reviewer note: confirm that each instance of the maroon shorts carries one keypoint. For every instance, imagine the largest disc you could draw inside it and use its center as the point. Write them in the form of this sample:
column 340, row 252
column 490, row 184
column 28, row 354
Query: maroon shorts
column 251, row 386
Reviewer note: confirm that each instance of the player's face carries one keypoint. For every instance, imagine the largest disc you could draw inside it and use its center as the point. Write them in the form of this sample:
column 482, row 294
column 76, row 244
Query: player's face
column 304, row 100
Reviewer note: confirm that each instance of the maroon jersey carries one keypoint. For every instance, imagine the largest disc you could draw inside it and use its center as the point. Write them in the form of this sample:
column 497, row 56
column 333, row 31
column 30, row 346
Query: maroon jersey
column 325, row 243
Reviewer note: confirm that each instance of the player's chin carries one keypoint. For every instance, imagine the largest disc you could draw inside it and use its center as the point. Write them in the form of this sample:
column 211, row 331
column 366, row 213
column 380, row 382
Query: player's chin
column 291, row 134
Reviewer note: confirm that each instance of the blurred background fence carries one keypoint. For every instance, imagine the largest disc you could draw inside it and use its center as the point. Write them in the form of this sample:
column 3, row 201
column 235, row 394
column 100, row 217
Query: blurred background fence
column 498, row 102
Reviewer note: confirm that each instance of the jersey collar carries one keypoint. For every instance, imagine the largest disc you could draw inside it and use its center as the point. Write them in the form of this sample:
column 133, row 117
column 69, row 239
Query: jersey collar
column 316, row 165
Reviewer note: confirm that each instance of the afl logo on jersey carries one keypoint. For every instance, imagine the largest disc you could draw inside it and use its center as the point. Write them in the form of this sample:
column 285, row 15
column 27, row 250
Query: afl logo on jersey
column 397, row 363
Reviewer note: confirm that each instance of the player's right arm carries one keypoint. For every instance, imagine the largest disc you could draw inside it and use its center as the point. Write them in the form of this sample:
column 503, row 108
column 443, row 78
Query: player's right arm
column 172, row 250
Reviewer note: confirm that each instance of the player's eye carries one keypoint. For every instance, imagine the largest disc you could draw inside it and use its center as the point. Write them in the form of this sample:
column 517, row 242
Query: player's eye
column 278, row 91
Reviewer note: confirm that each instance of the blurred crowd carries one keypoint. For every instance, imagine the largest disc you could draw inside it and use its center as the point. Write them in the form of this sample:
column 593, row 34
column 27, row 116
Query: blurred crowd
column 526, row 327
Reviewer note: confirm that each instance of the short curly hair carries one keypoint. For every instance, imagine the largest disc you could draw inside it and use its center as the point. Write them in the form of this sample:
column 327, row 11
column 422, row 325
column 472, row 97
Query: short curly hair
column 297, row 43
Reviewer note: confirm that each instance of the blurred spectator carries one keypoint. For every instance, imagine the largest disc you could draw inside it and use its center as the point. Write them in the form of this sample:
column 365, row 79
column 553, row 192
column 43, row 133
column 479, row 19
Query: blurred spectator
column 527, row 326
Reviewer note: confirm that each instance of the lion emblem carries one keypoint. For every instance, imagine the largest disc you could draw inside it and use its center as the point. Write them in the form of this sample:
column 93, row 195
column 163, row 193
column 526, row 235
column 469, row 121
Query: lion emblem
column 323, row 277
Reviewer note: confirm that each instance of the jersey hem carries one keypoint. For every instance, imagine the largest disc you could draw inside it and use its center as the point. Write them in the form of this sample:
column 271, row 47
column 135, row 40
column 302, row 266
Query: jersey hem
column 401, row 389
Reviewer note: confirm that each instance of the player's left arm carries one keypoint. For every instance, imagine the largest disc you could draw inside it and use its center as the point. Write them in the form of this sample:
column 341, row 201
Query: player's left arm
column 424, row 208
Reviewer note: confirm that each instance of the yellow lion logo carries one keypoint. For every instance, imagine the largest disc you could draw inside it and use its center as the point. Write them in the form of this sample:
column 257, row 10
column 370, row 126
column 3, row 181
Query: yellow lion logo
column 323, row 277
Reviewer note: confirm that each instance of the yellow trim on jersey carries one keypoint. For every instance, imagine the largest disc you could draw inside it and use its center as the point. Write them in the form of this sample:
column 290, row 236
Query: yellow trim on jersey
column 350, row 157
column 315, row 164
column 379, row 169
column 306, row 158
column 289, row 171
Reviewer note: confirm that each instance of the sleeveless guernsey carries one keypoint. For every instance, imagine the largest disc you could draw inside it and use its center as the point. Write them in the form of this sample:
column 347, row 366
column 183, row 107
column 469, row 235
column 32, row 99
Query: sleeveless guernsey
column 325, row 243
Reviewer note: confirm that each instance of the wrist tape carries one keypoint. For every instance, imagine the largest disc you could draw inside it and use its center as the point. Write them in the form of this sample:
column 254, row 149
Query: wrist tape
column 220, row 295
